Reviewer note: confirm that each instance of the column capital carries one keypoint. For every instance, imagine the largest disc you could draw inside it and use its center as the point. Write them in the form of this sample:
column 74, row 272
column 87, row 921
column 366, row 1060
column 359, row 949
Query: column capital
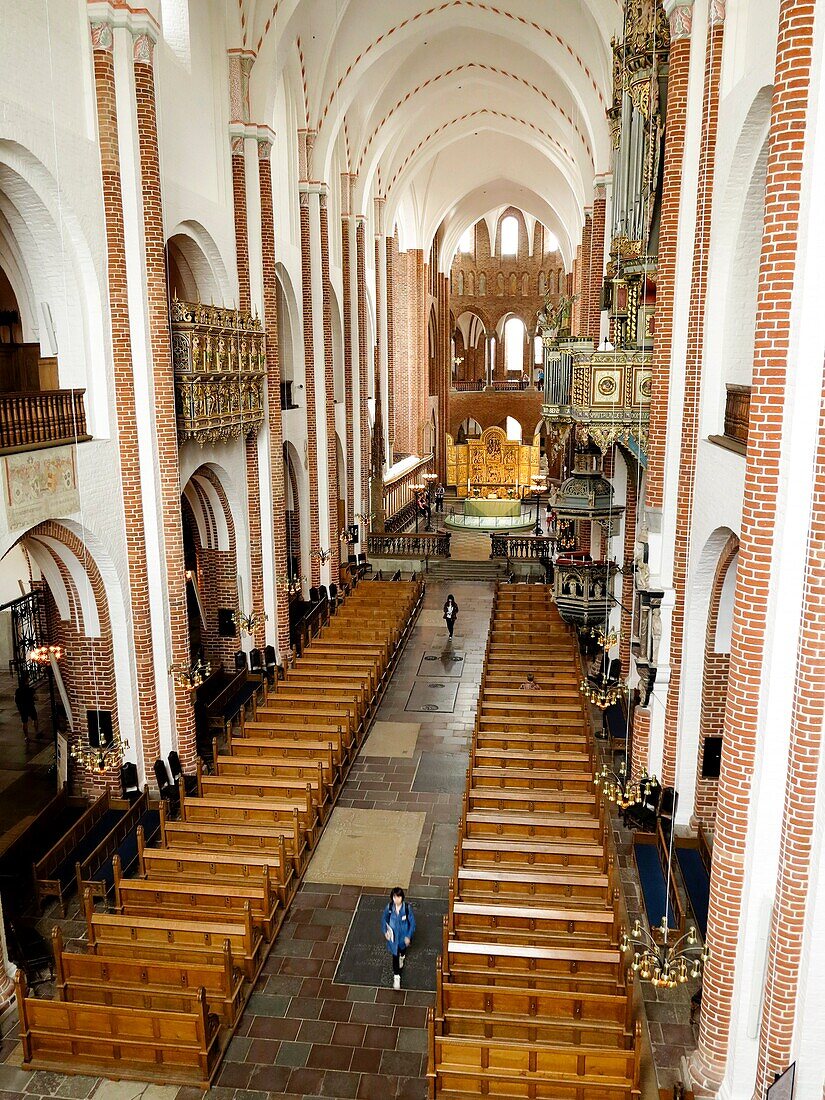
column 240, row 66
column 103, row 38
column 143, row 47
column 716, row 13
column 380, row 202
column 115, row 14
column 680, row 16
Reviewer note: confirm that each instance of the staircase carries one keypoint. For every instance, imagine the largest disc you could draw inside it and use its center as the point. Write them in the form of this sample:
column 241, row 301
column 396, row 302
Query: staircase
column 456, row 569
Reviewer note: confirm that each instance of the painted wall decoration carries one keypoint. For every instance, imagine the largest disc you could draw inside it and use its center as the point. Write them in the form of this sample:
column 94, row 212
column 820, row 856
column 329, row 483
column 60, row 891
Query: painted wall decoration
column 39, row 485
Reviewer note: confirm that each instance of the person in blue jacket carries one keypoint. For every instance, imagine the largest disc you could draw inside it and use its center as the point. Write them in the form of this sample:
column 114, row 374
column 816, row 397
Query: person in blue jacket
column 398, row 926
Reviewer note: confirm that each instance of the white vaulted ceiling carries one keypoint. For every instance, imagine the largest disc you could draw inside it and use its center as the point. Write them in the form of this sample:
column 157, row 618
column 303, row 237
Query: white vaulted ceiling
column 447, row 109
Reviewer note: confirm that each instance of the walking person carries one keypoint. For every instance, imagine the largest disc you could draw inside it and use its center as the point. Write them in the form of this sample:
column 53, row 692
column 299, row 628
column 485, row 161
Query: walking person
column 398, row 926
column 24, row 701
column 439, row 497
column 450, row 613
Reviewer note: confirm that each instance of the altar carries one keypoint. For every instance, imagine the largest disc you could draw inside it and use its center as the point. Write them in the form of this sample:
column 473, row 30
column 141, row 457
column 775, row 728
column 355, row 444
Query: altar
column 492, row 464
column 487, row 508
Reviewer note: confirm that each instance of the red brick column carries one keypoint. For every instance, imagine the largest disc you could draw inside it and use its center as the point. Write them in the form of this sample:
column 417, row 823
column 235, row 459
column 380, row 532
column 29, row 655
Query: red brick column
column 391, row 251
column 575, row 318
column 640, row 743
column 273, row 393
column 785, row 158
column 104, row 71
column 677, row 92
column 309, row 388
column 363, row 384
column 443, row 372
column 241, row 227
column 164, row 387
column 786, row 145
column 334, row 529
column 693, row 380
column 584, row 274
column 596, row 267
column 349, row 364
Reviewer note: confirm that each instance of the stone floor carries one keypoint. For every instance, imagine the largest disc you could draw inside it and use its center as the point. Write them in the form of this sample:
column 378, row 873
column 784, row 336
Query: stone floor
column 27, row 778
column 305, row 1034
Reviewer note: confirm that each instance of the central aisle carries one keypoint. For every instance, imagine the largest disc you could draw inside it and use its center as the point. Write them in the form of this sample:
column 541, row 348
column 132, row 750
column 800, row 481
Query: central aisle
column 324, row 1020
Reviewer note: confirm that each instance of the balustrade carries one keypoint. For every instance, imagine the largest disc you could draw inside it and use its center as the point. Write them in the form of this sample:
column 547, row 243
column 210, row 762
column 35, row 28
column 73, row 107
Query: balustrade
column 398, row 494
column 48, row 418
column 434, row 544
column 522, row 547
column 737, row 412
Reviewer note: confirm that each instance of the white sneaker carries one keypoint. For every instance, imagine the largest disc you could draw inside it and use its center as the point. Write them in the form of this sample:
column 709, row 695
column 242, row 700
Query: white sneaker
column 401, row 961
column 396, row 981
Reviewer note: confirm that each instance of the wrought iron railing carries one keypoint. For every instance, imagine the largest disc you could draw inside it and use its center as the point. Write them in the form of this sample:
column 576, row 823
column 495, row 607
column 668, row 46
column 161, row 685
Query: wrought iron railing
column 433, row 544
column 522, row 547
column 49, row 418
column 219, row 358
column 737, row 412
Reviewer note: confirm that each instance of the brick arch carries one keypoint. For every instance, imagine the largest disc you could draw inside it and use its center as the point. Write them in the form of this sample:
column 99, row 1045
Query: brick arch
column 205, row 506
column 492, row 409
column 81, row 622
column 714, row 684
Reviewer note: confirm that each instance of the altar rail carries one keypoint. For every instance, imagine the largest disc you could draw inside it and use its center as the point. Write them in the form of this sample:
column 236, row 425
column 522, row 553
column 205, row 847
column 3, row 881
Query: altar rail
column 522, row 547
column 50, row 418
column 434, row 544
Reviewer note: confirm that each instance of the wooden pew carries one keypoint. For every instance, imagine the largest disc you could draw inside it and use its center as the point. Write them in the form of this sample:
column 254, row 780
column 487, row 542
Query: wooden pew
column 88, row 873
column 146, row 982
column 136, row 1043
column 534, row 923
column 510, row 964
column 55, row 874
column 175, row 939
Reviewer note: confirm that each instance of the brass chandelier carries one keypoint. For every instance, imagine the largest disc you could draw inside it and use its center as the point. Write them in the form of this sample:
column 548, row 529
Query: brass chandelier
column 190, row 676
column 602, row 694
column 664, row 964
column 99, row 759
column 621, row 789
column 249, row 623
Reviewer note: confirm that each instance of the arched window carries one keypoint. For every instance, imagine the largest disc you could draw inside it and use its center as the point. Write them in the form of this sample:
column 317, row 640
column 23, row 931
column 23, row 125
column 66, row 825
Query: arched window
column 467, row 242
column 538, row 351
column 509, row 236
column 461, row 283
column 513, row 429
column 514, row 346
column 551, row 241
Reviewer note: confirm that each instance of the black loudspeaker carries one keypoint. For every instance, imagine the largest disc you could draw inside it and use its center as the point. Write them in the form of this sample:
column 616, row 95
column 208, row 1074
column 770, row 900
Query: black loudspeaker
column 99, row 725
column 712, row 758
column 226, row 623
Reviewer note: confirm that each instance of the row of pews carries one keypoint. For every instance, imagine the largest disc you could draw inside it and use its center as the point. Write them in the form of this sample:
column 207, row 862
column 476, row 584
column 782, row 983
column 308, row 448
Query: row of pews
column 532, row 997
column 174, row 956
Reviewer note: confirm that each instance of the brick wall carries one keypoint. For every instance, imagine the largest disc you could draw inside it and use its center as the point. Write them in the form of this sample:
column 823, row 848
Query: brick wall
column 333, row 528
column 786, row 146
column 494, row 408
column 692, row 385
column 677, row 92
column 363, row 411
column 123, row 379
column 164, row 394
column 596, row 266
column 714, row 689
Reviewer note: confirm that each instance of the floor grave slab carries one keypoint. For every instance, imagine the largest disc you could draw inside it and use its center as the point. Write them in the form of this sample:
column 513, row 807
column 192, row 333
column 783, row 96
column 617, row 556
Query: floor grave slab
column 392, row 739
column 442, row 661
column 373, row 848
column 440, row 774
column 365, row 959
column 433, row 696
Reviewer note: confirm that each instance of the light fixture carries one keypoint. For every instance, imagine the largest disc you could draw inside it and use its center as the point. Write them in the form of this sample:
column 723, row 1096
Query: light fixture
column 665, row 965
column 321, row 555
column 293, row 585
column 603, row 694
column 249, row 623
column 99, row 759
column 190, row 676
column 622, row 789
column 42, row 654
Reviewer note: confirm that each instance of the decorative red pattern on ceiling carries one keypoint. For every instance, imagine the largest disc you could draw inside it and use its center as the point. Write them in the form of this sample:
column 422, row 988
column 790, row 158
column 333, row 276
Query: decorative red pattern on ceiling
column 462, row 68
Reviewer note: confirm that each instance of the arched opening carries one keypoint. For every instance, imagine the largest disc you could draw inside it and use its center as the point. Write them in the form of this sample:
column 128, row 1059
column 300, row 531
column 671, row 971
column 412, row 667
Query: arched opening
column 513, row 429
column 296, row 523
column 466, row 245
column 194, row 269
column 515, row 336
column 509, row 236
column 211, row 564
column 468, row 429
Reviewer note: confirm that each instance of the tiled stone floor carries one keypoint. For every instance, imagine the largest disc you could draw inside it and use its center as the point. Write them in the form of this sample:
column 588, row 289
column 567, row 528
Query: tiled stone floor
column 303, row 1034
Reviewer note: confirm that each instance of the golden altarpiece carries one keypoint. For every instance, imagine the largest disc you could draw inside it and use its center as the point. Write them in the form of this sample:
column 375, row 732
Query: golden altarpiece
column 492, row 465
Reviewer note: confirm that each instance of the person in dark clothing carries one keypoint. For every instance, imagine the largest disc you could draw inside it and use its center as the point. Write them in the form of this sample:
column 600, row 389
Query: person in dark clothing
column 450, row 613
column 439, row 497
column 24, row 701
column 398, row 926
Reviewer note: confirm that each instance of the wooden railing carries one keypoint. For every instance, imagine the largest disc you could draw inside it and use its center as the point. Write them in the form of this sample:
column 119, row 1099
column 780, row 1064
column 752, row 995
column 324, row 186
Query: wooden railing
column 737, row 412
column 434, row 544
column 522, row 547
column 402, row 518
column 474, row 385
column 398, row 492
column 46, row 419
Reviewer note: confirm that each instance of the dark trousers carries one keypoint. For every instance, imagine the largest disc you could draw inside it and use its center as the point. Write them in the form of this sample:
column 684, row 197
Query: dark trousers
column 450, row 626
column 396, row 969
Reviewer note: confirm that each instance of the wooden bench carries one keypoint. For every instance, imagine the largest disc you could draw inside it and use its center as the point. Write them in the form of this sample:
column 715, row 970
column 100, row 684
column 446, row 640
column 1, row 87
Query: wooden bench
column 176, row 939
column 41, row 834
column 137, row 1043
column 147, row 982
column 518, row 854
column 500, row 883
column 534, row 923
column 95, row 872
column 567, row 968
column 55, row 875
